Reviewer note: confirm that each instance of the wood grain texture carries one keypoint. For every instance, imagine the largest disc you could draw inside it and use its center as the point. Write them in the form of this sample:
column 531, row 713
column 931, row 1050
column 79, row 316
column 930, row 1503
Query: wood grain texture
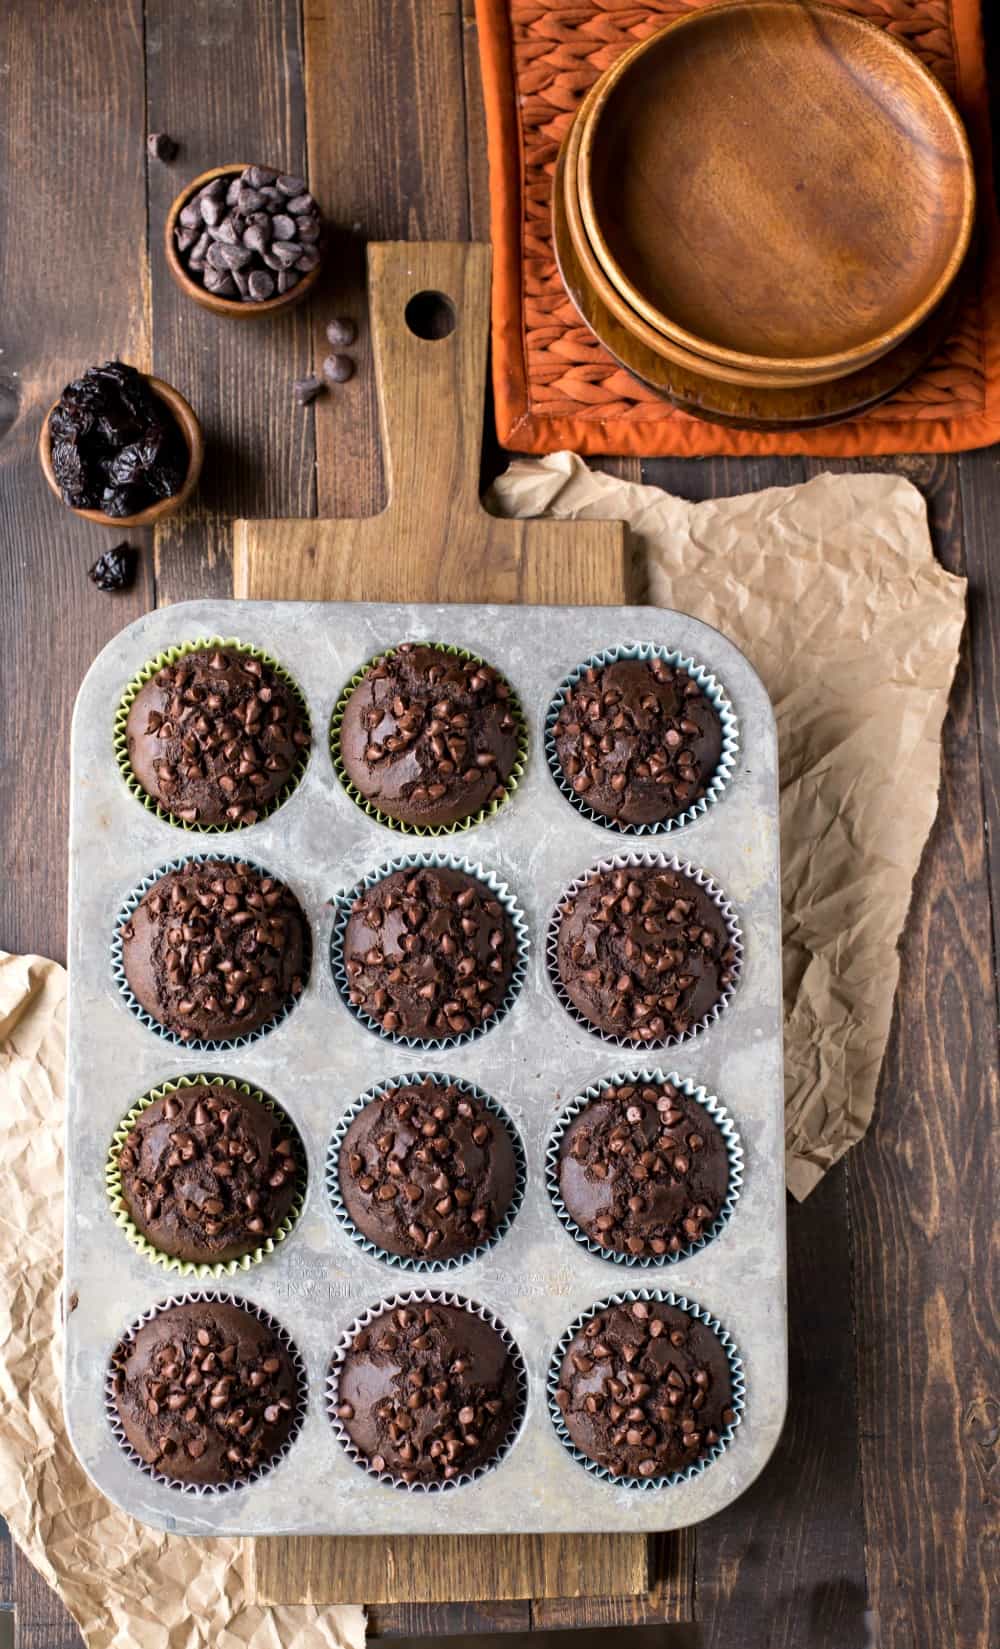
column 667, row 1599
column 40, row 1620
column 439, row 1620
column 52, row 328
column 433, row 542
column 226, row 82
column 922, row 1191
column 446, row 1568
column 384, row 91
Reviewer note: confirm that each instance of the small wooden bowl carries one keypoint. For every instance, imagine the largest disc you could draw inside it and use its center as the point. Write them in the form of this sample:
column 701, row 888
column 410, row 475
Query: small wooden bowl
column 194, row 440
column 608, row 295
column 194, row 289
column 777, row 185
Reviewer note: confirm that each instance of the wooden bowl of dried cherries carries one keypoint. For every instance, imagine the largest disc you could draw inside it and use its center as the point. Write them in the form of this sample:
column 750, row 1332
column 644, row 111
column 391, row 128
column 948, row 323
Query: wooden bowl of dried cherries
column 120, row 447
column 244, row 240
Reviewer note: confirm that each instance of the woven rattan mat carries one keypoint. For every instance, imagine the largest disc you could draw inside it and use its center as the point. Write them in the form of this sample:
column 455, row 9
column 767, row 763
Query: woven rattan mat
column 555, row 386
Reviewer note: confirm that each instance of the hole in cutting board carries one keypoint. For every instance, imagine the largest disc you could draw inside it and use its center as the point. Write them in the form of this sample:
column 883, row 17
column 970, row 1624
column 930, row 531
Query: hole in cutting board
column 430, row 315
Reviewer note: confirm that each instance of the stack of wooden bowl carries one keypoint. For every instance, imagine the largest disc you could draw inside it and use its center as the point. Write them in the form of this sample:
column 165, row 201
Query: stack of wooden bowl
column 763, row 210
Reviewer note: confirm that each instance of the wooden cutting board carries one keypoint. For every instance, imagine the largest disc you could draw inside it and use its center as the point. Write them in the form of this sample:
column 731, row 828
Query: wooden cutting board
column 434, row 542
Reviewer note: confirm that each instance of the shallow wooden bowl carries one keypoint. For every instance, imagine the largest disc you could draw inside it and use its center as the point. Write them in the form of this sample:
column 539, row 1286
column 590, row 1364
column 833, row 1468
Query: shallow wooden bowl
column 194, row 289
column 809, row 406
column 649, row 336
column 777, row 185
column 194, row 440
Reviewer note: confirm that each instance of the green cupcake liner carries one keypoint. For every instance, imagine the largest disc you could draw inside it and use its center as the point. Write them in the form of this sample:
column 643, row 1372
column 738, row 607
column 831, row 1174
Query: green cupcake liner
column 373, row 812
column 150, row 669
column 119, row 1207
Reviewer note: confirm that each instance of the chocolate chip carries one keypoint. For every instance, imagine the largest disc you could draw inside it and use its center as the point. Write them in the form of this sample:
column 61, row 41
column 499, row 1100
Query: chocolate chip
column 161, row 147
column 338, row 369
column 342, row 332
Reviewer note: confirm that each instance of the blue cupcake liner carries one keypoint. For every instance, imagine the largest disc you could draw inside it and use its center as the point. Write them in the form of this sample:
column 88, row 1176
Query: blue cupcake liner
column 634, row 861
column 737, row 1402
column 428, row 861
column 402, row 825
column 420, row 1297
column 712, row 690
column 405, row 1262
column 201, row 1490
column 195, row 1044
column 171, row 655
column 701, row 1096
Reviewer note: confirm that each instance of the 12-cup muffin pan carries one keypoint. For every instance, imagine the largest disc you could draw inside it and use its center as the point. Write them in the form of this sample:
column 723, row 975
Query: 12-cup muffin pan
column 316, row 1063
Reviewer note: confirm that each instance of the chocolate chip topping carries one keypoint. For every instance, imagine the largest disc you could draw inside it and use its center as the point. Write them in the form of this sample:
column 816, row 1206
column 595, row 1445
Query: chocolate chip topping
column 644, row 953
column 645, row 1389
column 206, row 1392
column 428, row 1393
column 638, row 741
column 429, row 952
column 208, row 1173
column 429, row 738
column 643, row 1169
column 215, row 949
column 427, row 1171
column 215, row 736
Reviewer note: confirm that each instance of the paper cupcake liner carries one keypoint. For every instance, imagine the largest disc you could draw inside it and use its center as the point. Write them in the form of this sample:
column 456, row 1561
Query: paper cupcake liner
column 195, row 1044
column 369, row 807
column 712, row 690
column 708, row 1103
column 201, row 1271
column 405, row 1262
column 429, row 861
column 203, row 1489
column 426, row 1297
column 150, row 669
column 737, row 1402
column 634, row 861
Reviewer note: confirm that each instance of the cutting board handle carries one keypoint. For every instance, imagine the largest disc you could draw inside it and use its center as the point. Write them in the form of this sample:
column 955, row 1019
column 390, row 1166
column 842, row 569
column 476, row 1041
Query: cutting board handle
column 429, row 305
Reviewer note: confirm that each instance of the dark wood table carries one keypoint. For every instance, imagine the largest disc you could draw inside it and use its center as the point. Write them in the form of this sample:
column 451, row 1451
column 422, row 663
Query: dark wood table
column 876, row 1520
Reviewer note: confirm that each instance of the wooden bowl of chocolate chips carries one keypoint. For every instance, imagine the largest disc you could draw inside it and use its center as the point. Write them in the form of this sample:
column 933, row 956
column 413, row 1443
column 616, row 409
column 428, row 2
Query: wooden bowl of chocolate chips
column 244, row 240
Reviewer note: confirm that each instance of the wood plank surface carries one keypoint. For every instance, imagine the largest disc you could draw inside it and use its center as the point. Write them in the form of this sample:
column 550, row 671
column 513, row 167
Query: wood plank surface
column 893, row 1367
column 446, row 1568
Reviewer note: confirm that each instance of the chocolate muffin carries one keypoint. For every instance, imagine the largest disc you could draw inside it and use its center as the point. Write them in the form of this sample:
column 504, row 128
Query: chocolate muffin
column 427, row 1171
column 645, row 1389
column 644, row 953
column 643, row 1169
column 206, row 1392
column 216, row 736
column 638, row 740
column 429, row 952
column 428, row 1393
column 208, row 1173
column 429, row 738
column 215, row 950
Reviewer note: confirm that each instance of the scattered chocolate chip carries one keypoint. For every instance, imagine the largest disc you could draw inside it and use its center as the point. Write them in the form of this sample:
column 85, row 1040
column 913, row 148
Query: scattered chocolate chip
column 337, row 369
column 161, row 147
column 306, row 390
column 342, row 332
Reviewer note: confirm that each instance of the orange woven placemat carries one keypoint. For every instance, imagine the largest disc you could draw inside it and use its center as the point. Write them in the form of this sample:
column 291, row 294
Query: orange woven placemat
column 555, row 386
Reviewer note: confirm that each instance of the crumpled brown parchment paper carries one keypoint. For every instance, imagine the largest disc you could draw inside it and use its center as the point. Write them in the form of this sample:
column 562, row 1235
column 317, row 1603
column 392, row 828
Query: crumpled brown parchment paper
column 128, row 1587
column 832, row 590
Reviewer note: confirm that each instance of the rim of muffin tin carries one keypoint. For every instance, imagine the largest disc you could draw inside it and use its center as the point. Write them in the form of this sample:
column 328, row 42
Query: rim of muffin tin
column 694, row 1091
column 635, row 861
column 201, row 1270
column 714, row 692
column 737, row 1402
column 423, row 1297
column 172, row 655
column 401, row 826
column 406, row 1262
column 197, row 1044
column 342, row 903
column 202, row 1490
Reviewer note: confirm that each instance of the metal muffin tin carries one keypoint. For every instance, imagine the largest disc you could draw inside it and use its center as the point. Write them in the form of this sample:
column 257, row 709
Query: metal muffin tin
column 320, row 1058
